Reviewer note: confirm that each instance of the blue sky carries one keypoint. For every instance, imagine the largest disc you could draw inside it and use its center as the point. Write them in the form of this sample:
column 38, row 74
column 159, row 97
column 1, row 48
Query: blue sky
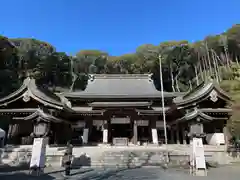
column 115, row 26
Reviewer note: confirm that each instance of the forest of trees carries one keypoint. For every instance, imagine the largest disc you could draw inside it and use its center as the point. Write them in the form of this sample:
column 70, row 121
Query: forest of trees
column 185, row 64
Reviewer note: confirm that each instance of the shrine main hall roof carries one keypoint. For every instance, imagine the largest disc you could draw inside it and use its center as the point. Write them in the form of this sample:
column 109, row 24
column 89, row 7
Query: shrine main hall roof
column 120, row 86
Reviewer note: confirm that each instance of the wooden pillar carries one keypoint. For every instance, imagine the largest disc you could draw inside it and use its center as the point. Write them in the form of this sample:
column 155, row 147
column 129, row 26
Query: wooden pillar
column 10, row 129
column 13, row 133
column 177, row 135
column 172, row 136
column 135, row 132
column 183, row 135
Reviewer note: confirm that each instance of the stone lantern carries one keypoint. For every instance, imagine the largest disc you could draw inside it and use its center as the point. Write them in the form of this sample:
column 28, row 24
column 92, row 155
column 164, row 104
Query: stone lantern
column 41, row 128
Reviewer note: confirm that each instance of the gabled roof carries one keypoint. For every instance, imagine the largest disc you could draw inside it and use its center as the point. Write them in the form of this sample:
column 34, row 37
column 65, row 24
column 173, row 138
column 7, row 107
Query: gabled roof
column 197, row 113
column 45, row 116
column 29, row 90
column 119, row 86
column 204, row 90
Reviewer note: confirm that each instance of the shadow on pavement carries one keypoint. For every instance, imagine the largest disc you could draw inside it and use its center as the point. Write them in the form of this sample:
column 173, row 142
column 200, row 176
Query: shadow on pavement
column 81, row 172
column 7, row 168
column 24, row 176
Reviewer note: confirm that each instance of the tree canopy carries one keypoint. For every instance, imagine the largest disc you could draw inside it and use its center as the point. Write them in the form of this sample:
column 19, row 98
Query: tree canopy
column 185, row 64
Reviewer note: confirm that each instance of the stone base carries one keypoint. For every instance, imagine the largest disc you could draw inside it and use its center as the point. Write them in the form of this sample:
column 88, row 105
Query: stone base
column 105, row 154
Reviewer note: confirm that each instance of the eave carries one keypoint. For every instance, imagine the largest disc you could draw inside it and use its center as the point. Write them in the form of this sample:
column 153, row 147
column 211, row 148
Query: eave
column 197, row 114
column 202, row 92
column 45, row 116
column 153, row 111
column 120, row 104
column 19, row 110
column 117, row 96
column 87, row 111
column 216, row 110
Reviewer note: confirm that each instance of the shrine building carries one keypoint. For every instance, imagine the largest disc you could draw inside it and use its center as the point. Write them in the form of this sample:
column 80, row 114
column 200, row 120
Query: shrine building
column 114, row 108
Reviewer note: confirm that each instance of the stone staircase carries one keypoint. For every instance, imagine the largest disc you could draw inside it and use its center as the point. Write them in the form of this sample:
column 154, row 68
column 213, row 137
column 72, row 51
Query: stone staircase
column 119, row 156
column 123, row 158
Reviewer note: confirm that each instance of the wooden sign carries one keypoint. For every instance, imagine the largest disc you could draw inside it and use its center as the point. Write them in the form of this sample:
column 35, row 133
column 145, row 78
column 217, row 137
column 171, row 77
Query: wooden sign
column 125, row 120
column 142, row 122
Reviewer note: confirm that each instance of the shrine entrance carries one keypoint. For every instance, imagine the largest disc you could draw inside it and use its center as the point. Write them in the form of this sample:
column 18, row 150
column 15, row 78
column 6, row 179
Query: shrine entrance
column 144, row 134
column 121, row 131
column 96, row 135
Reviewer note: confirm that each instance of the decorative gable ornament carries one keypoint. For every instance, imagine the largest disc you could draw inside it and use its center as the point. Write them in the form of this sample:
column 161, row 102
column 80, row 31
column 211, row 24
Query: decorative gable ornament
column 214, row 96
column 26, row 97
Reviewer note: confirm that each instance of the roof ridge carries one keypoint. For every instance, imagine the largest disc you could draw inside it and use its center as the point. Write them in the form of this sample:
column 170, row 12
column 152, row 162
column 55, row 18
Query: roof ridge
column 120, row 76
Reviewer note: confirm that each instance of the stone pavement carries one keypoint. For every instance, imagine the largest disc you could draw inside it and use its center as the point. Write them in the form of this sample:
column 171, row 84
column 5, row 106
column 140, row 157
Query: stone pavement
column 146, row 173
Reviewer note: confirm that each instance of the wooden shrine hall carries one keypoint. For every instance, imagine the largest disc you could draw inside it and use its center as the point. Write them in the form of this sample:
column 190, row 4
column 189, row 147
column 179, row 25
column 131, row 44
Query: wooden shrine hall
column 113, row 109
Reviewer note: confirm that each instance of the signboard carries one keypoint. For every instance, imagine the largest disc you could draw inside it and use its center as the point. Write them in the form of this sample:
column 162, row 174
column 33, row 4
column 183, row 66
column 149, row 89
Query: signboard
column 125, row 120
column 38, row 153
column 142, row 122
column 198, row 154
column 154, row 136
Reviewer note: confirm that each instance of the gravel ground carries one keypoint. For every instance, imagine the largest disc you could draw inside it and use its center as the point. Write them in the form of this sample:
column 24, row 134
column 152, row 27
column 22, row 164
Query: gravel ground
column 146, row 173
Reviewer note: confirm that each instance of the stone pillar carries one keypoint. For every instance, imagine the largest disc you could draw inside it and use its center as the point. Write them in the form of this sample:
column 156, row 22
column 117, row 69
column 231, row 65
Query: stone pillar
column 184, row 136
column 154, row 132
column 105, row 132
column 135, row 132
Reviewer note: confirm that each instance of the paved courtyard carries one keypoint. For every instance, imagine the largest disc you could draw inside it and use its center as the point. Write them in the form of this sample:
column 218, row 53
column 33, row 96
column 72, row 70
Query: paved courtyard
column 146, row 173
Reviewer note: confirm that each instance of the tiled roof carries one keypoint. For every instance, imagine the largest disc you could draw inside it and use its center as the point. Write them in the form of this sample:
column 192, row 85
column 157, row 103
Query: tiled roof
column 119, row 85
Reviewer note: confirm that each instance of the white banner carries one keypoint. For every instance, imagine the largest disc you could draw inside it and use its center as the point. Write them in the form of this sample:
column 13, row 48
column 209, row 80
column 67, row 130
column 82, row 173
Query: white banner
column 85, row 136
column 105, row 136
column 154, row 136
column 38, row 153
column 198, row 153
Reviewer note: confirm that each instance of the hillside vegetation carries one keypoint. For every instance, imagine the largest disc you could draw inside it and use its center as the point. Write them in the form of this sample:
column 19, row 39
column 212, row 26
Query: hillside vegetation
column 185, row 65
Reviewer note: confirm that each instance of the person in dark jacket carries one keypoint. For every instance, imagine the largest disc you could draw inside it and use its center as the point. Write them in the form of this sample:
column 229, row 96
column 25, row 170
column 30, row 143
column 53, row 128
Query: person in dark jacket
column 68, row 158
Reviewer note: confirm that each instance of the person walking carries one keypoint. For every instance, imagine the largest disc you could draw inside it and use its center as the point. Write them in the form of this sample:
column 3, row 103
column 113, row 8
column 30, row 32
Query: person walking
column 68, row 159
